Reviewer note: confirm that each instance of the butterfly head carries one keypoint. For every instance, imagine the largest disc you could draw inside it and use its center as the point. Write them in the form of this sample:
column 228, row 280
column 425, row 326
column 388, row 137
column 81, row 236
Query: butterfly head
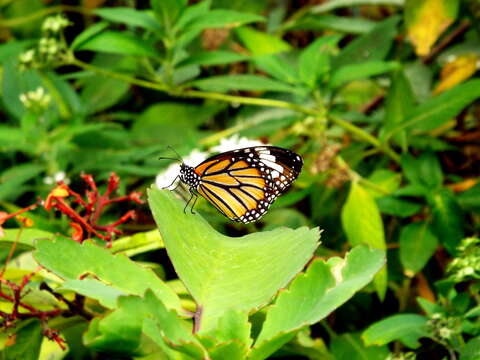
column 188, row 175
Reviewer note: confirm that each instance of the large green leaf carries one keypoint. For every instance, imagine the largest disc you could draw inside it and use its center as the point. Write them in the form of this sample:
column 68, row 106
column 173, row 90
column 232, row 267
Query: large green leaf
column 448, row 219
column 364, row 70
column 22, row 240
column 231, row 336
column 440, row 109
column 220, row 18
column 138, row 243
column 363, row 224
column 424, row 170
column 165, row 328
column 277, row 67
column 12, row 179
column 261, row 43
column 350, row 346
column 386, row 182
column 224, row 83
column 115, row 42
column 131, row 17
column 471, row 350
column 314, row 60
column 118, row 271
column 349, row 25
column 100, row 93
column 314, row 294
column 399, row 102
column 373, row 45
column 162, row 122
column 88, row 33
column 407, row 328
column 120, row 331
column 469, row 200
column 105, row 294
column 417, row 244
column 14, row 83
column 225, row 273
column 13, row 138
column 27, row 341
column 395, row 206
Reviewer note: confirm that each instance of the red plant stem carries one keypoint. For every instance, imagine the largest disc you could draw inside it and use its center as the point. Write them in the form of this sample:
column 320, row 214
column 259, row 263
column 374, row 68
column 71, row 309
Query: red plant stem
column 101, row 202
column 78, row 197
column 41, row 314
column 120, row 199
column 128, row 215
column 21, row 211
column 67, row 210
column 89, row 180
column 11, row 299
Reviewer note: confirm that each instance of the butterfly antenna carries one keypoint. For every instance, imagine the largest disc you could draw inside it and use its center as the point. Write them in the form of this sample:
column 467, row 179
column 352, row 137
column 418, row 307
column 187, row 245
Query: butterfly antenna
column 167, row 158
column 178, row 156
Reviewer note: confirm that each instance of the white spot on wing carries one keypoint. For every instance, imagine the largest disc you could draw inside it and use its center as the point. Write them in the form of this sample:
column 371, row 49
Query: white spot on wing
column 273, row 165
column 275, row 174
column 267, row 157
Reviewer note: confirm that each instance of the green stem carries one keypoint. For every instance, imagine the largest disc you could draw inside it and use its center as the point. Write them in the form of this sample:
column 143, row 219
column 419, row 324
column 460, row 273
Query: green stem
column 366, row 136
column 123, row 77
column 248, row 101
column 362, row 134
column 19, row 21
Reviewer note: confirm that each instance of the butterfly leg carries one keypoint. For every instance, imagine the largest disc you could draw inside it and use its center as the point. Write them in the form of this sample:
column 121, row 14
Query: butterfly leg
column 188, row 202
column 173, row 182
column 194, row 201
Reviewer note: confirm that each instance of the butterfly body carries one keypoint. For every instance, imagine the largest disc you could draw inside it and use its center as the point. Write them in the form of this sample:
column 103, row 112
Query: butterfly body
column 243, row 183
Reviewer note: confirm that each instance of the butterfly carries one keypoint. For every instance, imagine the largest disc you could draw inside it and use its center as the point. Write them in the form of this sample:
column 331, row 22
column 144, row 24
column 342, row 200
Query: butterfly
column 243, row 183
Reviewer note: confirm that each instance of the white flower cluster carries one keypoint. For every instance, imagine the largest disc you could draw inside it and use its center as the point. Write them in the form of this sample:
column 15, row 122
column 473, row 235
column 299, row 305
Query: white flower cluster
column 442, row 326
column 55, row 24
column 27, row 56
column 48, row 46
column 51, row 46
column 59, row 176
column 466, row 265
column 36, row 99
column 168, row 176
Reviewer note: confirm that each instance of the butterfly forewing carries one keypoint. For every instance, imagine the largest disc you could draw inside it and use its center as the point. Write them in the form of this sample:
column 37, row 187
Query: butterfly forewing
column 243, row 183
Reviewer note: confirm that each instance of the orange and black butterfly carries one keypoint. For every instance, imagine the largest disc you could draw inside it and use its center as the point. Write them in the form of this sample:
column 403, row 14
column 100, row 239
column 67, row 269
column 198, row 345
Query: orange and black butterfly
column 243, row 183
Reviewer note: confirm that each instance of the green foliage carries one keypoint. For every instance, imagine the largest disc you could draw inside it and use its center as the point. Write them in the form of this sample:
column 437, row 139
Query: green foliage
column 263, row 262
column 311, row 296
column 108, row 272
column 236, row 286
column 378, row 97
column 407, row 328
column 28, row 339
column 417, row 244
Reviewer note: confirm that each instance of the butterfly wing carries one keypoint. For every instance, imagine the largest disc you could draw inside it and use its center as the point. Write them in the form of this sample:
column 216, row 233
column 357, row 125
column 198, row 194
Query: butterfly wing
column 243, row 183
